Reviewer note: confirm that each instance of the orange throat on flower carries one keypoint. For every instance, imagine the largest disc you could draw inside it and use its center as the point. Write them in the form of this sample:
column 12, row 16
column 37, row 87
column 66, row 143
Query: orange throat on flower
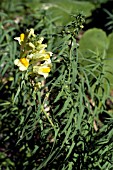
column 25, row 62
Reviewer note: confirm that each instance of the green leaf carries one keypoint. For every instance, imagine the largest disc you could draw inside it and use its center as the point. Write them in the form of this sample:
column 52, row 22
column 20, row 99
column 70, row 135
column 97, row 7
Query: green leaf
column 66, row 104
column 94, row 41
column 65, row 8
column 95, row 44
column 109, row 61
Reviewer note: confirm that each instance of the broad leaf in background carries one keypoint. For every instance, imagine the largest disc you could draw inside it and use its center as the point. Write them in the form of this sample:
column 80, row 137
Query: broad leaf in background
column 62, row 10
column 95, row 42
column 109, row 60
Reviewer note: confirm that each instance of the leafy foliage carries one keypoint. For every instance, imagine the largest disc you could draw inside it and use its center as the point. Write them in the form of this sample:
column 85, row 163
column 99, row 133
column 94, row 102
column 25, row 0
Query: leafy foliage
column 99, row 45
column 61, row 124
column 62, row 10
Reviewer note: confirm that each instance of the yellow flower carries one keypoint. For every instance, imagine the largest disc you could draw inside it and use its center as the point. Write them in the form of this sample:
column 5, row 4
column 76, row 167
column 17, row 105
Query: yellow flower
column 21, row 38
column 40, row 47
column 33, row 52
column 43, row 69
column 45, row 52
column 40, row 55
column 22, row 63
column 81, row 26
column 31, row 45
column 31, row 33
column 40, row 40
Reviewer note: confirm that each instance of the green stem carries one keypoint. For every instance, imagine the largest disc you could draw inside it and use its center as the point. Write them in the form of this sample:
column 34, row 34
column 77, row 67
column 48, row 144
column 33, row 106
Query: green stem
column 47, row 116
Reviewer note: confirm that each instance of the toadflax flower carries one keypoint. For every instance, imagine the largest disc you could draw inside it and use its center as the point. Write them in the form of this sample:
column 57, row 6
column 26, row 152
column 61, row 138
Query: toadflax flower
column 43, row 69
column 22, row 63
column 33, row 52
column 31, row 33
column 40, row 56
column 21, row 38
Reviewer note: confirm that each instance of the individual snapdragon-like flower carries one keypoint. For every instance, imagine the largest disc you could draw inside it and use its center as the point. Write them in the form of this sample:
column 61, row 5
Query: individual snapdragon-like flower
column 43, row 69
column 31, row 45
column 31, row 33
column 21, row 38
column 40, row 47
column 22, row 63
column 81, row 26
column 40, row 40
column 40, row 56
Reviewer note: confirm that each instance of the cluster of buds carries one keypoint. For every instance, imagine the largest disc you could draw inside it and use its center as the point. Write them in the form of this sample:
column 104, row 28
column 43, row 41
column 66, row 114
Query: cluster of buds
column 33, row 55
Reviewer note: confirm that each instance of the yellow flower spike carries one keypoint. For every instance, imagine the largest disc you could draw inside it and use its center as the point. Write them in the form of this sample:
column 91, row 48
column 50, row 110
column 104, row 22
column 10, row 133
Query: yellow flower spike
column 22, row 63
column 35, row 52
